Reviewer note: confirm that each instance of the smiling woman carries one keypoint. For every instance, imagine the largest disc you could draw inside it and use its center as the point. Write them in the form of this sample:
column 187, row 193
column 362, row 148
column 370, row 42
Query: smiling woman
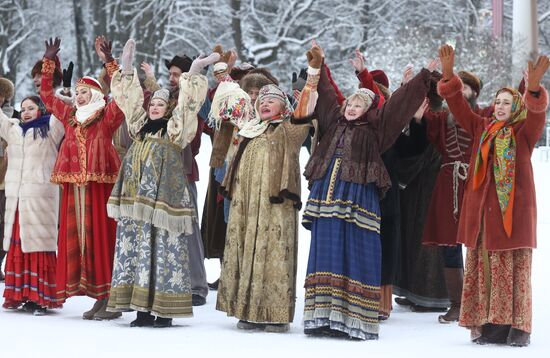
column 498, row 219
column 30, row 233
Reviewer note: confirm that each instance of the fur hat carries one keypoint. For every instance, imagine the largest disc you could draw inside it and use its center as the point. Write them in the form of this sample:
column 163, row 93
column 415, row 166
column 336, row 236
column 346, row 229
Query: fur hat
column 237, row 73
column 380, row 77
column 254, row 80
column 57, row 75
column 264, row 71
column 182, row 62
column 471, row 80
column 7, row 89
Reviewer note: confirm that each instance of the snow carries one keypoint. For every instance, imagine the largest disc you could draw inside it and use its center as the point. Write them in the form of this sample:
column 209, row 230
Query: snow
column 211, row 333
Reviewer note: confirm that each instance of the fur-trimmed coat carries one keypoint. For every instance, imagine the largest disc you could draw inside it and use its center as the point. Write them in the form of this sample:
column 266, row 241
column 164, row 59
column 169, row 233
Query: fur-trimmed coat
column 28, row 186
column 483, row 202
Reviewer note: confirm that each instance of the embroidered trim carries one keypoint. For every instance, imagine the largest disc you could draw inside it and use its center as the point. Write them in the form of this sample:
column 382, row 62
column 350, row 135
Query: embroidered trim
column 111, row 67
column 48, row 66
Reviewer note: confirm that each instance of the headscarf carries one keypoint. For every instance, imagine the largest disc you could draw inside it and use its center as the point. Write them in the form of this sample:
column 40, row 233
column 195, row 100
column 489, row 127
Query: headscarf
column 257, row 126
column 97, row 102
column 499, row 136
column 41, row 124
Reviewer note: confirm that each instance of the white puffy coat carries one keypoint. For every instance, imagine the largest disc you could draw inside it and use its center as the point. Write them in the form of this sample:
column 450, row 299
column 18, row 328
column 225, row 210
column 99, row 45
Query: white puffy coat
column 28, row 187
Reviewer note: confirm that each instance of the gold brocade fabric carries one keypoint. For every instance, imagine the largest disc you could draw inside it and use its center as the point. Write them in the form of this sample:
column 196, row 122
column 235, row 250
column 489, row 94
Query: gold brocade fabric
column 497, row 288
column 258, row 277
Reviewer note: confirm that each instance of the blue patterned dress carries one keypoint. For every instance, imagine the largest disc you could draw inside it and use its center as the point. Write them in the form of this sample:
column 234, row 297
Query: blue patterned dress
column 344, row 266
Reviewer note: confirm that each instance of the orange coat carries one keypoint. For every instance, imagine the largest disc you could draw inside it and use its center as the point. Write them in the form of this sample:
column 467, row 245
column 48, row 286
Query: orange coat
column 483, row 202
column 87, row 153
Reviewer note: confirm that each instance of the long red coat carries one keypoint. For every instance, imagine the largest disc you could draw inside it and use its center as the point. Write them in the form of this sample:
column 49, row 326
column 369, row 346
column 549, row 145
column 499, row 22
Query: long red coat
column 455, row 146
column 87, row 153
column 483, row 202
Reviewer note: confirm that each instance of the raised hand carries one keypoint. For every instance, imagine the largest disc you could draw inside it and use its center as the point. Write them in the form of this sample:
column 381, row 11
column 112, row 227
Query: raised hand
column 52, row 48
column 536, row 71
column 433, row 64
column 201, row 62
column 68, row 75
column 315, row 55
column 420, row 111
column 98, row 41
column 218, row 48
column 147, row 69
column 358, row 61
column 407, row 74
column 447, row 57
column 232, row 58
column 106, row 48
column 127, row 58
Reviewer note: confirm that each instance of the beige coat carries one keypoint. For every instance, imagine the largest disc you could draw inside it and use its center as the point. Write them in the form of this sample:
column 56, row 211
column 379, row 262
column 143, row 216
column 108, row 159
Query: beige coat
column 28, row 187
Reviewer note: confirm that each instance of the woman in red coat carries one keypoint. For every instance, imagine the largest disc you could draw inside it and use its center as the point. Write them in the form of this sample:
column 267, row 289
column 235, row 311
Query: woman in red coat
column 86, row 167
column 498, row 219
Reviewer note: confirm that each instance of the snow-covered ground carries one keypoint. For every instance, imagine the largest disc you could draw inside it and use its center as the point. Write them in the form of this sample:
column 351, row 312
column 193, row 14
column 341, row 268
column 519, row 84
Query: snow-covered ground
column 210, row 333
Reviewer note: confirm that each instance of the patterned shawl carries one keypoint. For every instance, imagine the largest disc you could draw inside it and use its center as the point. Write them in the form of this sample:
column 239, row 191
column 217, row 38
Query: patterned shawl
column 499, row 136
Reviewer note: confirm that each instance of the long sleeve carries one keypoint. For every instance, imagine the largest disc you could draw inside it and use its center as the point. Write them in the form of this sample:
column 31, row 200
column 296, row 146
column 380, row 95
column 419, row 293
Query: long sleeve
column 5, row 125
column 57, row 131
column 339, row 96
column 128, row 95
column 392, row 117
column 182, row 127
column 151, row 84
column 327, row 108
column 536, row 116
column 54, row 105
column 451, row 91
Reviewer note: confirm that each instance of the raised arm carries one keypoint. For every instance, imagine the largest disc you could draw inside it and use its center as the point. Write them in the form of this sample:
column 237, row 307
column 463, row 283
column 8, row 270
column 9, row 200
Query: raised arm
column 54, row 105
column 327, row 108
column 364, row 76
column 150, row 82
column 182, row 127
column 536, row 101
column 392, row 117
column 113, row 115
column 450, row 88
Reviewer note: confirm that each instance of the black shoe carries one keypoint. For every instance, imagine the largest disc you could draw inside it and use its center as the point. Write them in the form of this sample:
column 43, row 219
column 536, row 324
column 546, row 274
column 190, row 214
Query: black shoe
column 144, row 319
column 315, row 332
column 198, row 300
column 214, row 285
column 162, row 322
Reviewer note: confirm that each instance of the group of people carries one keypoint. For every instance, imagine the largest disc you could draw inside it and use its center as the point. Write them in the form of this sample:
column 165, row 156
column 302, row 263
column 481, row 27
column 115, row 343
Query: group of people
column 127, row 231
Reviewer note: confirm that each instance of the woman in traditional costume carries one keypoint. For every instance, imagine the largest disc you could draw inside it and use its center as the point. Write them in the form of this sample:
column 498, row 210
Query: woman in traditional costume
column 258, row 276
column 151, row 200
column 498, row 219
column 86, row 168
column 348, row 178
column 30, row 233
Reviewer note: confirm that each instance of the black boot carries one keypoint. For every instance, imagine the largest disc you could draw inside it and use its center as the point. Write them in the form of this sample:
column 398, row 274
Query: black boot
column 454, row 278
column 162, row 322
column 518, row 338
column 2, row 255
column 495, row 333
column 214, row 285
column 143, row 319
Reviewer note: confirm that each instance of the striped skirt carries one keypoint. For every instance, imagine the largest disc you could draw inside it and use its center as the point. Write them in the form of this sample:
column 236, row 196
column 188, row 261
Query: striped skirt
column 29, row 276
column 344, row 267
